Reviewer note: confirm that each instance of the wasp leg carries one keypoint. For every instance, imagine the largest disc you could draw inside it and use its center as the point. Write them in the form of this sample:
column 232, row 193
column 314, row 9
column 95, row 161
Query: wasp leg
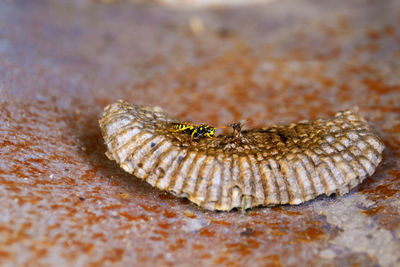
column 191, row 137
column 209, row 135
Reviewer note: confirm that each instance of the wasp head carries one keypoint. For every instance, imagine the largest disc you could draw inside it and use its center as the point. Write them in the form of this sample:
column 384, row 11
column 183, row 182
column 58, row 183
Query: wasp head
column 210, row 131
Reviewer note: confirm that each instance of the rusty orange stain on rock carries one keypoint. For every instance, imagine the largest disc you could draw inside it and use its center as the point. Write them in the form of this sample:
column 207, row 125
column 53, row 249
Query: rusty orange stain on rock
column 243, row 248
column 373, row 34
column 154, row 209
column 220, row 222
column 113, row 254
column 53, row 226
column 115, row 183
column 389, row 30
column 5, row 255
column 220, row 260
column 113, row 206
column 386, row 190
column 394, row 129
column 287, row 211
column 207, row 233
column 11, row 185
column 382, row 191
column 100, row 236
column 169, row 214
column 156, row 238
column 164, row 234
column 308, row 235
column 89, row 174
column 40, row 253
column 380, row 86
column 388, row 218
column 124, row 195
column 273, row 260
column 133, row 218
column 68, row 180
column 371, row 211
column 198, row 246
column 164, row 225
column 190, row 214
column 84, row 246
column 178, row 244
column 31, row 199
column 205, row 256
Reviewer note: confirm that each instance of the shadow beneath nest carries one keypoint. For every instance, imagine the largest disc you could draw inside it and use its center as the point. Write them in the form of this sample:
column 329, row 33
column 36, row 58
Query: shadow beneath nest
column 92, row 150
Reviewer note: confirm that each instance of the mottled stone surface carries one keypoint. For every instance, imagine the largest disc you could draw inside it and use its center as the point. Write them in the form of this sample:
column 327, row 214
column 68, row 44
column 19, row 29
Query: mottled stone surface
column 62, row 202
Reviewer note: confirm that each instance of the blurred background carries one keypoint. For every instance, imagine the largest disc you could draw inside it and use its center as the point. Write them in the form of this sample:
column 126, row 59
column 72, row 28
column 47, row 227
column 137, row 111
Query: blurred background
column 62, row 202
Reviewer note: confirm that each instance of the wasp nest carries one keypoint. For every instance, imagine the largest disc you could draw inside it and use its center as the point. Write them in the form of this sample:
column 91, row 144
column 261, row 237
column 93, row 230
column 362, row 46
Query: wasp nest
column 280, row 164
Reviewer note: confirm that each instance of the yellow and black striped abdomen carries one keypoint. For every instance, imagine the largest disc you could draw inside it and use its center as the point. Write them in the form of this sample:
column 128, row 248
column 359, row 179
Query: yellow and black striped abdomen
column 183, row 126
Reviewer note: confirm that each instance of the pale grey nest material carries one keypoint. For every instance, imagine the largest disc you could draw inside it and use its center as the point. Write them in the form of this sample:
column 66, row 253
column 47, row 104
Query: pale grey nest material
column 286, row 164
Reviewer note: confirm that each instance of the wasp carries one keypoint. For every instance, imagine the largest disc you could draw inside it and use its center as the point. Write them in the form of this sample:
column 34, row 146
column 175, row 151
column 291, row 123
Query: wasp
column 195, row 131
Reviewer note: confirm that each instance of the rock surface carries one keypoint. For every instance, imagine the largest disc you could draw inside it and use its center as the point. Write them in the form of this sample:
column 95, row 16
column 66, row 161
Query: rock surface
column 62, row 202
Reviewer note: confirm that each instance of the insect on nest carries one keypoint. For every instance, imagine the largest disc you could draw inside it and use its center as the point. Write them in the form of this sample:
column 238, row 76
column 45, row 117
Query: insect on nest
column 195, row 131
column 280, row 164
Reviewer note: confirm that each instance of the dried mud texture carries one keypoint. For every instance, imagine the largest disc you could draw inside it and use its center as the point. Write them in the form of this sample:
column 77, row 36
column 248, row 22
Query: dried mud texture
column 286, row 164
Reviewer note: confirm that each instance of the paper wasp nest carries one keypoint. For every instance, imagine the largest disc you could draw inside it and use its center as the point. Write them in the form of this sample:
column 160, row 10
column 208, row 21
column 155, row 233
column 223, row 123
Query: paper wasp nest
column 286, row 164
